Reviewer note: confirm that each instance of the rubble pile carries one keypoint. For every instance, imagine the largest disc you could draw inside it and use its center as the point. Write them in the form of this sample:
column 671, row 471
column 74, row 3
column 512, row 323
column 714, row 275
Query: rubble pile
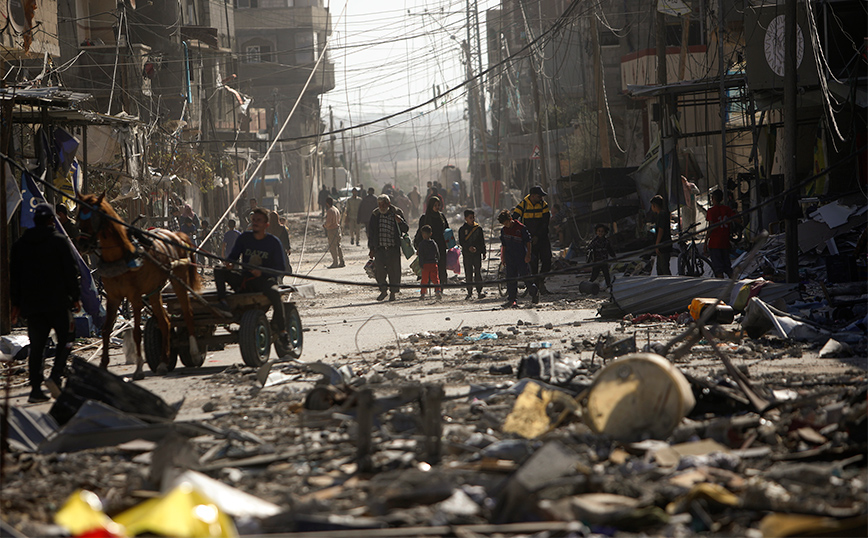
column 472, row 432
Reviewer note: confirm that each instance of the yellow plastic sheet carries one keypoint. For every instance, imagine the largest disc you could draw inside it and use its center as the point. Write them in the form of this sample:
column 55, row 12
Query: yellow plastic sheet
column 83, row 512
column 183, row 512
column 529, row 417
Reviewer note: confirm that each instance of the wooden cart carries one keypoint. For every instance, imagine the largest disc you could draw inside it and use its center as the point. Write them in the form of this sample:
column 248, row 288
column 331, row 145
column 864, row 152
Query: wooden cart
column 249, row 327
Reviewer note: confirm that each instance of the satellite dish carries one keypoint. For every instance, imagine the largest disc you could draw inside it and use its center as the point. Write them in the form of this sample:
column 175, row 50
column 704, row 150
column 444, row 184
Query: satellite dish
column 15, row 9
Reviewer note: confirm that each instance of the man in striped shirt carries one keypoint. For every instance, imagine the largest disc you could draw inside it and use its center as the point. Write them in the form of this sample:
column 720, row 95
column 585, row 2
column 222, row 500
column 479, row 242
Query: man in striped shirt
column 534, row 213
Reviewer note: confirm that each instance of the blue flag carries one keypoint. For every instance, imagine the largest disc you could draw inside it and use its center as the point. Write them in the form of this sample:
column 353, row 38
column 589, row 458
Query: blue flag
column 90, row 299
column 31, row 196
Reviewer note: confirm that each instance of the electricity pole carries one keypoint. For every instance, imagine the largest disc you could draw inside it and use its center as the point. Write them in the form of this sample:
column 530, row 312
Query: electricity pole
column 790, row 126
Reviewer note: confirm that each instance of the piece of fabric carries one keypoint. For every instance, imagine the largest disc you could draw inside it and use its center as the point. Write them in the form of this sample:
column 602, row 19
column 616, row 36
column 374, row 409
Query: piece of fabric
column 430, row 275
column 600, row 249
column 229, row 239
column 718, row 235
column 387, row 266
column 472, row 237
column 45, row 276
column 473, row 271
column 332, row 218
column 514, row 241
column 428, row 252
column 39, row 325
column 453, row 263
column 266, row 252
column 334, row 237
column 535, row 216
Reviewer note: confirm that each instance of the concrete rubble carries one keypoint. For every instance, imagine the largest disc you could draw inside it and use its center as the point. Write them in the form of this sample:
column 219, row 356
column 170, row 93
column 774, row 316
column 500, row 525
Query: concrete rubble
column 436, row 434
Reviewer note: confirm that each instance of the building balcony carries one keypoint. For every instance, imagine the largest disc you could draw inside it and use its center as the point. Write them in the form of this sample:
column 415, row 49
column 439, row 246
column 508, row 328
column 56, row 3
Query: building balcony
column 640, row 68
column 274, row 75
column 270, row 18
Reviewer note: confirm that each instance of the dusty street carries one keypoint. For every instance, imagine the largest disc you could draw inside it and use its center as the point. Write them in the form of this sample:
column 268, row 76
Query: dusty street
column 304, row 461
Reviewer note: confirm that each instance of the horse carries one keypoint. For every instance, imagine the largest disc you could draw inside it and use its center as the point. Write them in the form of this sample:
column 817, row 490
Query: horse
column 164, row 258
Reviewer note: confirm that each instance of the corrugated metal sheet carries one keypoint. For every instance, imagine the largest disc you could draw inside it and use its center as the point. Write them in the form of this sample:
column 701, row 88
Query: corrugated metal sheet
column 670, row 294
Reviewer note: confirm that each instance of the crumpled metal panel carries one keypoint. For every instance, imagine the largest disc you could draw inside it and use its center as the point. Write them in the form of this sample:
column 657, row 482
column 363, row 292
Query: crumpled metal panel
column 667, row 295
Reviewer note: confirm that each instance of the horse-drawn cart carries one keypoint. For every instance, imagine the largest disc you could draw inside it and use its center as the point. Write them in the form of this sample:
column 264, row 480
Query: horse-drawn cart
column 249, row 327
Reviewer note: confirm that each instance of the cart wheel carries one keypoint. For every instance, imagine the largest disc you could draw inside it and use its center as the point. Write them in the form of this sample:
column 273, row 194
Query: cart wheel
column 293, row 328
column 187, row 359
column 254, row 337
column 153, row 346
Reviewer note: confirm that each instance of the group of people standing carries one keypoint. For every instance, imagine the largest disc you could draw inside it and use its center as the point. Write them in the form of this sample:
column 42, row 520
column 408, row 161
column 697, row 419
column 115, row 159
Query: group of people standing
column 525, row 246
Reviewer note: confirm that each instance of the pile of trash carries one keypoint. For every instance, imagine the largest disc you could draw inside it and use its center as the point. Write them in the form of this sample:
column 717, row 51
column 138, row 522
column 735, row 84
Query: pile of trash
column 470, row 432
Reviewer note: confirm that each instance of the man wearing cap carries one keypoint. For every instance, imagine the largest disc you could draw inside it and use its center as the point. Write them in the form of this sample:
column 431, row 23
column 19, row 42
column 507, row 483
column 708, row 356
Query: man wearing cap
column 44, row 288
column 534, row 213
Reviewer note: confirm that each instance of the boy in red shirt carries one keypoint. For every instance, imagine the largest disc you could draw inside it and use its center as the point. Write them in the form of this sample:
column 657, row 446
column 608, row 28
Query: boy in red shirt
column 719, row 216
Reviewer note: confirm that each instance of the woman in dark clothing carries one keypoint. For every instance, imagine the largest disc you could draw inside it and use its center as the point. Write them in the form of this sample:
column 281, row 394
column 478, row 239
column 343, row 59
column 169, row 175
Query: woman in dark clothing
column 437, row 221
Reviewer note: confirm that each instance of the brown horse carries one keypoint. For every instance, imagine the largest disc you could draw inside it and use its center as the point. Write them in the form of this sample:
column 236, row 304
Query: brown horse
column 163, row 259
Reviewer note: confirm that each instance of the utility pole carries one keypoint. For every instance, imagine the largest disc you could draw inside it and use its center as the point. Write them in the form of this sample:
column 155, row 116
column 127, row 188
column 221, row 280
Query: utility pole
column 721, row 73
column 471, row 106
column 790, row 126
column 602, row 132
column 662, row 101
column 482, row 135
column 344, row 150
column 332, row 146
column 536, row 102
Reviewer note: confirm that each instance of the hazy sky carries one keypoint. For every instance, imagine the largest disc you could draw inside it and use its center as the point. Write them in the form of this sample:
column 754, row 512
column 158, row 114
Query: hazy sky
column 390, row 55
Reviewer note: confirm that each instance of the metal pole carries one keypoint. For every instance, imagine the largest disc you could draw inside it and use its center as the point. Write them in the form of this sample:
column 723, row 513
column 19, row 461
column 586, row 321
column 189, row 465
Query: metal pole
column 790, row 112
column 602, row 131
column 5, row 303
column 721, row 72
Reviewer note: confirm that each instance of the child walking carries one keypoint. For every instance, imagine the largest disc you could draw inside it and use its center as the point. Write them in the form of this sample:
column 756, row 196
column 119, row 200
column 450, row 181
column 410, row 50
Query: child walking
column 472, row 241
column 600, row 250
column 429, row 258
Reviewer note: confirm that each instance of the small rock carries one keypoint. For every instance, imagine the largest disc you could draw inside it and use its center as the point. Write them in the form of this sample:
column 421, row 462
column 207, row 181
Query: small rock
column 409, row 354
column 209, row 406
column 549, row 326
column 502, row 369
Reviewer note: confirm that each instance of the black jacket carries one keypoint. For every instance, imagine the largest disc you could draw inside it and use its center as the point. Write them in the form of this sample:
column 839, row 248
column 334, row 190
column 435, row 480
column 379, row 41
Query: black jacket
column 428, row 251
column 471, row 236
column 401, row 227
column 438, row 224
column 367, row 205
column 44, row 272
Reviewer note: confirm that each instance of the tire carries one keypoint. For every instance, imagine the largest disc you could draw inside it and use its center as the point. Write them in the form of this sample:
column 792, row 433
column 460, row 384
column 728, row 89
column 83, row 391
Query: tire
column 294, row 329
column 254, row 338
column 703, row 266
column 696, row 267
column 153, row 346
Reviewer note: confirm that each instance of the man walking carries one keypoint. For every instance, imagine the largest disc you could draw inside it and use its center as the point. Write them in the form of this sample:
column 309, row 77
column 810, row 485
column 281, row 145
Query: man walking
column 515, row 252
column 333, row 232
column 415, row 202
column 366, row 207
column 44, row 289
column 386, row 224
column 719, row 216
column 534, row 213
column 351, row 217
column 663, row 238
